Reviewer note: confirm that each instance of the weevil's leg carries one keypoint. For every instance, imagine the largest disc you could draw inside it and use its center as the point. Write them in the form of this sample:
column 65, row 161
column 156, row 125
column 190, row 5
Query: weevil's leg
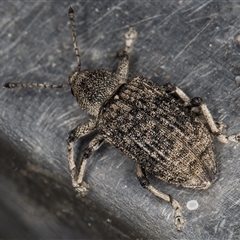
column 217, row 130
column 171, row 89
column 179, row 220
column 130, row 37
column 123, row 64
column 41, row 85
column 78, row 132
column 94, row 144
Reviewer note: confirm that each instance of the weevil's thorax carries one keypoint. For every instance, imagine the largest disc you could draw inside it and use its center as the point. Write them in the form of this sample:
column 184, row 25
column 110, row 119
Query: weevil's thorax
column 92, row 88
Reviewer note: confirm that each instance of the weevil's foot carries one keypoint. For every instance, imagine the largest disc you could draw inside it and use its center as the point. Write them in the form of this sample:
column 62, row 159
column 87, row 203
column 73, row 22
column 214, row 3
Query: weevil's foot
column 234, row 138
column 131, row 34
column 225, row 139
column 179, row 220
column 82, row 189
column 130, row 37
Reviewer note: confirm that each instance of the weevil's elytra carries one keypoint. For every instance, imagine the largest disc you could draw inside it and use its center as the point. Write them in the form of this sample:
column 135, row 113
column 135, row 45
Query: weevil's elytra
column 183, row 146
column 156, row 126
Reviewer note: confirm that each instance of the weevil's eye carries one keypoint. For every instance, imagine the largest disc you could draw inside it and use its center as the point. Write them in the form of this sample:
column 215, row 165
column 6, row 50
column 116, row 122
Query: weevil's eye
column 72, row 92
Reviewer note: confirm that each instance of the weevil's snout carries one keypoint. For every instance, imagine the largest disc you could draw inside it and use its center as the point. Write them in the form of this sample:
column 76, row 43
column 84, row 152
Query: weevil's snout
column 73, row 77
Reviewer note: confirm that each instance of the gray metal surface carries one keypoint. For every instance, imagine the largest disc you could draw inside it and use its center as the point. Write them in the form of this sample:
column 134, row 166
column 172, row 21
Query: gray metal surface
column 193, row 44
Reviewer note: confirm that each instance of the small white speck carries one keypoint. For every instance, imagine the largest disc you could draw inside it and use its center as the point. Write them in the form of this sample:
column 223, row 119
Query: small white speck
column 9, row 35
column 237, row 81
column 221, row 225
column 38, row 149
column 238, row 39
column 50, row 58
column 192, row 205
column 96, row 10
column 89, row 224
column 116, row 97
column 21, row 139
column 109, row 220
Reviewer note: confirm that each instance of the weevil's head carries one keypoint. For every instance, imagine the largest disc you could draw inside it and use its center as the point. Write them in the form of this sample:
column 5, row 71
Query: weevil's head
column 92, row 88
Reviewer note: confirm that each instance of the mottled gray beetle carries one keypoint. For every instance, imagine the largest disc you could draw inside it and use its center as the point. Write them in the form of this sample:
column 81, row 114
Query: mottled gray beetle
column 154, row 125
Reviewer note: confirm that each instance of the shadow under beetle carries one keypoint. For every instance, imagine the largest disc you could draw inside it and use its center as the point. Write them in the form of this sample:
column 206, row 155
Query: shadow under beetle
column 154, row 125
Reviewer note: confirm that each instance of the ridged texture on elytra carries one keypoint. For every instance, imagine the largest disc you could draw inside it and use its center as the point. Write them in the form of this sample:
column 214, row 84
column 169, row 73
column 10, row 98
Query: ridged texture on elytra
column 158, row 132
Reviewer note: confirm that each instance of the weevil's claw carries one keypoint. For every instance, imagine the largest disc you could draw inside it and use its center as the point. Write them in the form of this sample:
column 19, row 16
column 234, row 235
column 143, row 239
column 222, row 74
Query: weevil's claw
column 225, row 139
column 234, row 138
column 82, row 189
column 179, row 220
column 131, row 34
column 179, row 223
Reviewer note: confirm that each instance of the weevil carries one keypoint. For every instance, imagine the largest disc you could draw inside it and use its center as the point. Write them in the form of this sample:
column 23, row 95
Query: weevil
column 156, row 126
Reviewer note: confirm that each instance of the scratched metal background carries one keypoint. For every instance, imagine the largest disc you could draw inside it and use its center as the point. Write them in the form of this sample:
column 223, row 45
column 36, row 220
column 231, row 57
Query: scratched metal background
column 193, row 44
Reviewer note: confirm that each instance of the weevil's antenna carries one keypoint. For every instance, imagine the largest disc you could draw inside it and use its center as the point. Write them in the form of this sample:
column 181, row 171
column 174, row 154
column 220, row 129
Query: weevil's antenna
column 33, row 85
column 72, row 21
column 42, row 85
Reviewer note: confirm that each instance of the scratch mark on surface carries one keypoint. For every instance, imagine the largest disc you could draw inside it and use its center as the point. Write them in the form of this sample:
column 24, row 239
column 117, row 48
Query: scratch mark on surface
column 45, row 114
column 25, row 30
column 47, row 21
column 90, row 47
column 119, row 165
column 117, row 184
column 194, row 71
column 201, row 18
column 207, row 73
column 164, row 21
column 107, row 13
column 170, row 15
column 199, row 8
column 23, row 74
column 186, row 46
column 223, row 99
column 147, row 19
column 69, row 121
column 66, row 114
